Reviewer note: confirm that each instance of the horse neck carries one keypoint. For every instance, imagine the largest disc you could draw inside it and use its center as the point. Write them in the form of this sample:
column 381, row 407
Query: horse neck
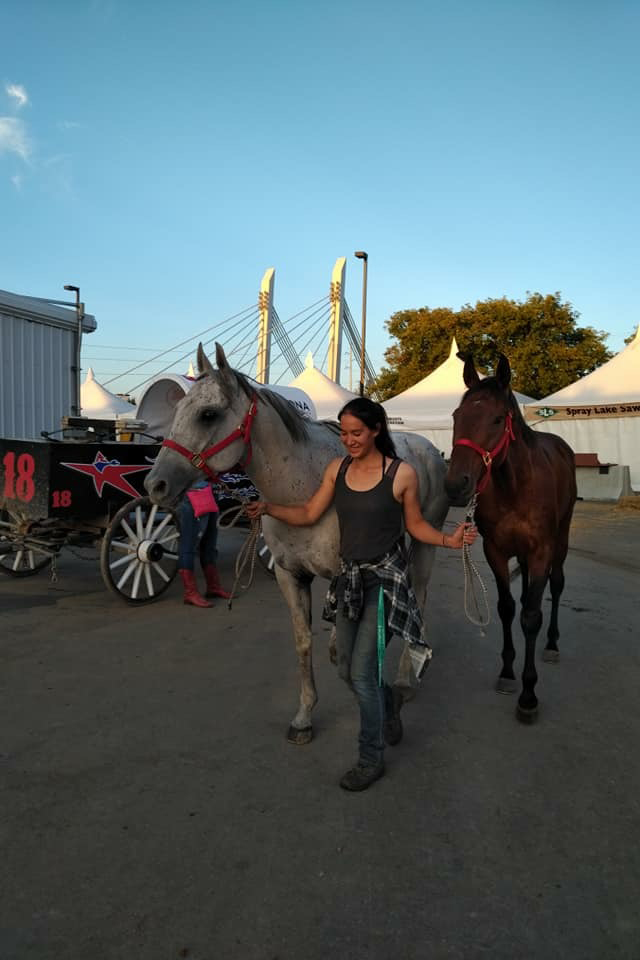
column 283, row 469
column 509, row 476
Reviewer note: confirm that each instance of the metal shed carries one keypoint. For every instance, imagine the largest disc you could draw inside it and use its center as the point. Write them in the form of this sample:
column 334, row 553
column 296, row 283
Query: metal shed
column 39, row 342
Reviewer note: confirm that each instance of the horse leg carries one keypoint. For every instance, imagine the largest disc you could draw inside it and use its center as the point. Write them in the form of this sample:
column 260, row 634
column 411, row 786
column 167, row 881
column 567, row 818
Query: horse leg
column 297, row 593
column 551, row 654
column 531, row 621
column 506, row 682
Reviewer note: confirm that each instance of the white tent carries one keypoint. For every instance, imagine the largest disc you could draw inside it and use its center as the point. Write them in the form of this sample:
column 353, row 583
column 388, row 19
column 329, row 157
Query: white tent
column 427, row 407
column 157, row 402
column 98, row 403
column 327, row 395
column 599, row 413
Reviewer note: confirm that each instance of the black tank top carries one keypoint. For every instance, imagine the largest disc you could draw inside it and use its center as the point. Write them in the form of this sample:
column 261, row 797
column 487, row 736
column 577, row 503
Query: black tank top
column 370, row 520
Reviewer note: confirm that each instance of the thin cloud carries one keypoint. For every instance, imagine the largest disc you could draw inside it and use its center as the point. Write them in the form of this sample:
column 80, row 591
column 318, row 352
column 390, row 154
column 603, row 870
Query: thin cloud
column 69, row 125
column 16, row 180
column 17, row 93
column 13, row 137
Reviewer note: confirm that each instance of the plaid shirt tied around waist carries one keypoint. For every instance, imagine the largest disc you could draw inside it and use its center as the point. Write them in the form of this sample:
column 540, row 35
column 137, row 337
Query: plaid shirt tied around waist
column 405, row 619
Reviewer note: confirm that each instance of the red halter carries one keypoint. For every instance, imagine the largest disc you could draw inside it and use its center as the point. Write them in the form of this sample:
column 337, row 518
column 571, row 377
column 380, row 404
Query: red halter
column 243, row 432
column 488, row 456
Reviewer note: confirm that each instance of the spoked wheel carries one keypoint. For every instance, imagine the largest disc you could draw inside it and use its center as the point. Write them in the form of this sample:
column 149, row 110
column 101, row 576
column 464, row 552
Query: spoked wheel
column 20, row 554
column 265, row 556
column 139, row 554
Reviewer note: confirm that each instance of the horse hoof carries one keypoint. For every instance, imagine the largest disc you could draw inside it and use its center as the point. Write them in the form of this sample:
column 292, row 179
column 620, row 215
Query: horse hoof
column 300, row 736
column 550, row 656
column 506, row 685
column 527, row 714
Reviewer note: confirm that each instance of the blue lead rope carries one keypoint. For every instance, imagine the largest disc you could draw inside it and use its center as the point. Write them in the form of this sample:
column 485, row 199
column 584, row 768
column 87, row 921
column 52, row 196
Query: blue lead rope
column 381, row 636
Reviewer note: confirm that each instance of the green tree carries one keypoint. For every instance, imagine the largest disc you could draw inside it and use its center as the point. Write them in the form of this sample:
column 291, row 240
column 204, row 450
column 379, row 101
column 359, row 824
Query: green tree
column 540, row 337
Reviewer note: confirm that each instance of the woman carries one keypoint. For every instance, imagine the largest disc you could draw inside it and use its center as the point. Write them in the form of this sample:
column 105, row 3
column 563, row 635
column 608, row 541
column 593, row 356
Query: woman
column 373, row 492
column 199, row 530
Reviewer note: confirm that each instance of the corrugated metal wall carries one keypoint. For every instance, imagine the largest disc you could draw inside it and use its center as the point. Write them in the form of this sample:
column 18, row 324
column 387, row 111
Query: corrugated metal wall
column 37, row 384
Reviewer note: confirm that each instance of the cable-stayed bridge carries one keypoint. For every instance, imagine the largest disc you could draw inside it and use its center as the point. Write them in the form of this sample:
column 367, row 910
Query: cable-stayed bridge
column 261, row 344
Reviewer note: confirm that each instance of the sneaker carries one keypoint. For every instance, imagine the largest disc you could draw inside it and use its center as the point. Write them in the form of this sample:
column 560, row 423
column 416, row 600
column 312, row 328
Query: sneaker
column 362, row 776
column 420, row 655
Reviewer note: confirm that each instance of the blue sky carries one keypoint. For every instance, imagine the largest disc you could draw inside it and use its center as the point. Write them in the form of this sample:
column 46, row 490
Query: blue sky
column 163, row 155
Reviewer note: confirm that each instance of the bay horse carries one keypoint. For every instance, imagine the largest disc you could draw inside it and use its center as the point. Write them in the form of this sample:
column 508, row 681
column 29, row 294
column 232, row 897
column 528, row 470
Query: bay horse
column 526, row 490
column 285, row 456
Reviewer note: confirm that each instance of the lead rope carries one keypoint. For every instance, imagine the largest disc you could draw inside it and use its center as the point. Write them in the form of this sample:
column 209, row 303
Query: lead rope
column 249, row 550
column 471, row 575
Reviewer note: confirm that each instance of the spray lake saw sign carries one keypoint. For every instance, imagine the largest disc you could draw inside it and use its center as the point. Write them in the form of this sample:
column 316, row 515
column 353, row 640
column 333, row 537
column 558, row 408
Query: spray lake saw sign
column 597, row 411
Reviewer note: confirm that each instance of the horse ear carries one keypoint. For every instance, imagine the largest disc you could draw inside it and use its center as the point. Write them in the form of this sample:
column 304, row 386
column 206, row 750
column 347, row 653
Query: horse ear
column 470, row 373
column 204, row 364
column 223, row 364
column 503, row 372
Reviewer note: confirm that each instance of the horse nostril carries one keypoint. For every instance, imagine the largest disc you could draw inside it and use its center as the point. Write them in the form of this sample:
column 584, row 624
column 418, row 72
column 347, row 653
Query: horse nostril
column 156, row 488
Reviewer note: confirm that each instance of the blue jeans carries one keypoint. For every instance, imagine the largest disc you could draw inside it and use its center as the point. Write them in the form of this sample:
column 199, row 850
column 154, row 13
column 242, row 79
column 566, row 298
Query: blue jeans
column 192, row 528
column 357, row 650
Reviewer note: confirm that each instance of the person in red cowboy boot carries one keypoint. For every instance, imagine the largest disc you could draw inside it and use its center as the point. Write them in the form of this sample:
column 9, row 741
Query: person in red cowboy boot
column 199, row 531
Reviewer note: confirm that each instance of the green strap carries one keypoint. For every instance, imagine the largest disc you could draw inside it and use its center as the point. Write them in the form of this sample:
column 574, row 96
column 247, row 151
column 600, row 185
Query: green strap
column 381, row 636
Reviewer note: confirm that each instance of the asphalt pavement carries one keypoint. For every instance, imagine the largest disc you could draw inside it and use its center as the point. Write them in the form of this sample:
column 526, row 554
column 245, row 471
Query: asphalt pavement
column 151, row 807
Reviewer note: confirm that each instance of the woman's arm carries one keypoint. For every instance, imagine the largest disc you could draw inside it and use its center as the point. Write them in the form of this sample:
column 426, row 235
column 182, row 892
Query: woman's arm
column 301, row 514
column 415, row 523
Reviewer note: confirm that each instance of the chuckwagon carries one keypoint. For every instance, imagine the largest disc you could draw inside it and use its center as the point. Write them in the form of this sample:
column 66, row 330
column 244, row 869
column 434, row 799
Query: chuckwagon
column 57, row 493
column 65, row 493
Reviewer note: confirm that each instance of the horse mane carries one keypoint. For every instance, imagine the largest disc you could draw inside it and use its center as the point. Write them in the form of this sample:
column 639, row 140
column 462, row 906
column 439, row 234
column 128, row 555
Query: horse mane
column 296, row 425
column 490, row 385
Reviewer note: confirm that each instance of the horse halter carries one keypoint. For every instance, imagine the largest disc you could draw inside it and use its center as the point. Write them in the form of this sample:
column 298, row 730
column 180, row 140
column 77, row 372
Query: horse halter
column 488, row 456
column 243, row 431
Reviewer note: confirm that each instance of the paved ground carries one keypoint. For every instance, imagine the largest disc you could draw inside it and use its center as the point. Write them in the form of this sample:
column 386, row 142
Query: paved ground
column 151, row 807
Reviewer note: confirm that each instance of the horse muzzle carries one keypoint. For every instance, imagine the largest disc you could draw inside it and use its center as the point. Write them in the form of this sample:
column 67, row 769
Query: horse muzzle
column 459, row 489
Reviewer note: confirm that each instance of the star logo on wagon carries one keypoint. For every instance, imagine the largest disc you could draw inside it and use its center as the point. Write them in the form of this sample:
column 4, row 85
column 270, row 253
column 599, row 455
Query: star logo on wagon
column 110, row 472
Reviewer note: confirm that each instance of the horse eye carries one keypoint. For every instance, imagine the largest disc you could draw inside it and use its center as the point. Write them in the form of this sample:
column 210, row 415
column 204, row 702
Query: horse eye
column 208, row 415
column 498, row 420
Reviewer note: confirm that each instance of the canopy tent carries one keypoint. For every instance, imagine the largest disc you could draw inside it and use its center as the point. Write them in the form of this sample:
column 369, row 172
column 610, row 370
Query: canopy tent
column 157, row 402
column 327, row 395
column 427, row 407
column 599, row 413
column 98, row 403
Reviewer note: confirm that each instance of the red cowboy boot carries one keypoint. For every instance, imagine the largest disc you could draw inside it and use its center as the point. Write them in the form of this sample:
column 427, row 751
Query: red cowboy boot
column 191, row 593
column 214, row 587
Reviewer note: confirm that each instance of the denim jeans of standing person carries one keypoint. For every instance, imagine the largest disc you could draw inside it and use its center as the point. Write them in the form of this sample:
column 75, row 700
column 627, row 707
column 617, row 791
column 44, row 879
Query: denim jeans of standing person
column 357, row 651
column 192, row 529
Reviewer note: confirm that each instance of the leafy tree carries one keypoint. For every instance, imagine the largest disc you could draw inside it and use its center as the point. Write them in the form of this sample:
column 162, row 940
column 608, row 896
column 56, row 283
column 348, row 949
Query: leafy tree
column 541, row 338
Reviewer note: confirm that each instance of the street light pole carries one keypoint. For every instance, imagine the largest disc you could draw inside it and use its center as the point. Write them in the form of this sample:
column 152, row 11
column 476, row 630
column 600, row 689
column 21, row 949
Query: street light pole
column 79, row 317
column 361, row 255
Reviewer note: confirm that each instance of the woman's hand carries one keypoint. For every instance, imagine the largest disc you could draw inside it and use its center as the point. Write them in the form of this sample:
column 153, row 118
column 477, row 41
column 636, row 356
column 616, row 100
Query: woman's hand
column 464, row 533
column 255, row 509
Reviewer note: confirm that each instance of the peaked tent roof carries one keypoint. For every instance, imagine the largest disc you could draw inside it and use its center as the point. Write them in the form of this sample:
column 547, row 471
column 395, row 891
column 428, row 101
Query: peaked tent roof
column 617, row 381
column 432, row 401
column 99, row 403
column 327, row 395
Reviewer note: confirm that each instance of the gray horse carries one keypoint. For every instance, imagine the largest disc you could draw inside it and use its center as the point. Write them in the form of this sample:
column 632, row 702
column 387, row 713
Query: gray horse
column 285, row 458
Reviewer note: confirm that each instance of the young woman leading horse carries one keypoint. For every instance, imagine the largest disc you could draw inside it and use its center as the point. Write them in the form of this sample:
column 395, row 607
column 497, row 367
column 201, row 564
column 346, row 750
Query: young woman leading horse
column 375, row 495
column 225, row 418
column 526, row 489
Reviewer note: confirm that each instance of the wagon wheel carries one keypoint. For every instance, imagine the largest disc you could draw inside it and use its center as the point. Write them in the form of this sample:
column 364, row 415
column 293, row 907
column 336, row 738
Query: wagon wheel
column 265, row 556
column 21, row 555
column 139, row 553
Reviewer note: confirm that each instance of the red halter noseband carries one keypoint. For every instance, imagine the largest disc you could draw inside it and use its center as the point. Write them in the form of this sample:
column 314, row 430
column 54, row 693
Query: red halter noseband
column 243, row 432
column 488, row 456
